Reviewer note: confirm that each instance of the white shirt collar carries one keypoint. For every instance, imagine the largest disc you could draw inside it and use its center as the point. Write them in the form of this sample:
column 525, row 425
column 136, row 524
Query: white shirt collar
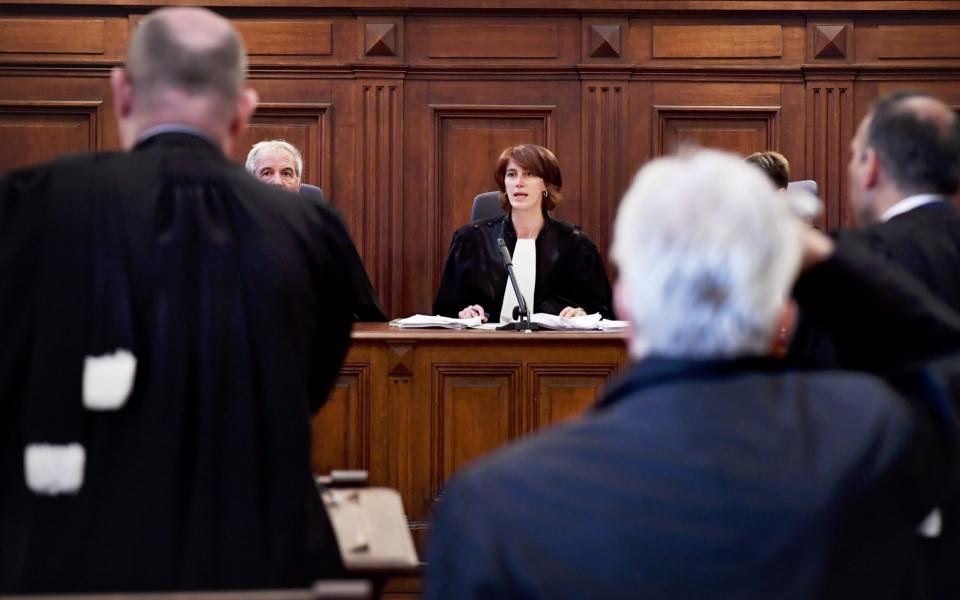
column 909, row 203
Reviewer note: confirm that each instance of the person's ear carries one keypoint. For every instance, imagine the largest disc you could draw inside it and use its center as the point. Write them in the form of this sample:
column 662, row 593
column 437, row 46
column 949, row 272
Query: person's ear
column 122, row 87
column 871, row 168
column 786, row 321
column 122, row 92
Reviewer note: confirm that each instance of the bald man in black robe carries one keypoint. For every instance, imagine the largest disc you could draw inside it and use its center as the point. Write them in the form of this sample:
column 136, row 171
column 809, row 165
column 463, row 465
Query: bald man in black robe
column 169, row 324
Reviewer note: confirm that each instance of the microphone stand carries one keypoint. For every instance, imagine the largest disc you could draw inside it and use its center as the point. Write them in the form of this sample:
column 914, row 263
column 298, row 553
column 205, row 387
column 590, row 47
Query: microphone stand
column 520, row 312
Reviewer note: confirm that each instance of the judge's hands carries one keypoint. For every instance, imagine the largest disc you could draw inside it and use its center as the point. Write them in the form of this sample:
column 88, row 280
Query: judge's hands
column 474, row 310
column 570, row 311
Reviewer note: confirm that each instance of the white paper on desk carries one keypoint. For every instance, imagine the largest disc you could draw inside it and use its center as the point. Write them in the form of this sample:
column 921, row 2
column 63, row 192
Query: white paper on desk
column 585, row 322
column 436, row 321
column 613, row 325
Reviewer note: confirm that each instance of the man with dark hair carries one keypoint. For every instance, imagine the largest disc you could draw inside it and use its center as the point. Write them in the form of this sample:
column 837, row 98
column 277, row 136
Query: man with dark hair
column 904, row 167
column 168, row 329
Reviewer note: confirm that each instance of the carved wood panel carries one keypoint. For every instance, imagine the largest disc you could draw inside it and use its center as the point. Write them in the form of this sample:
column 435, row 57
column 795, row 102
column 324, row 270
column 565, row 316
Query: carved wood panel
column 52, row 36
column 830, row 110
column 477, row 411
column 36, row 131
column 563, row 392
column 605, row 127
column 341, row 429
column 494, row 40
column 305, row 125
column 926, row 41
column 300, row 37
column 380, row 181
column 717, row 41
column 741, row 130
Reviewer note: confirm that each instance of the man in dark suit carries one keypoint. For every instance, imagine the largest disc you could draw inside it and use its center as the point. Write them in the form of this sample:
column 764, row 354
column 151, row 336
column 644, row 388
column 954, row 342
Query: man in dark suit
column 167, row 332
column 280, row 163
column 904, row 169
column 709, row 471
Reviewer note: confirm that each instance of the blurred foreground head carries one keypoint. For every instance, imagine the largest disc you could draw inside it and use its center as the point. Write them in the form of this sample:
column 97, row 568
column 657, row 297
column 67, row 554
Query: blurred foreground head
column 186, row 67
column 707, row 255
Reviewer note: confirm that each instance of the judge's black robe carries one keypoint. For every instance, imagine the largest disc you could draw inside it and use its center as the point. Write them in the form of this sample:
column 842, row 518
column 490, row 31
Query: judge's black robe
column 569, row 270
column 233, row 297
column 367, row 307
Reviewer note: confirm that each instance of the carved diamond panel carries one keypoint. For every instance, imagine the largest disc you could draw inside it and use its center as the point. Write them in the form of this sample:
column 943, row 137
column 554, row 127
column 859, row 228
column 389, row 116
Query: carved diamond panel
column 380, row 39
column 830, row 41
column 605, row 41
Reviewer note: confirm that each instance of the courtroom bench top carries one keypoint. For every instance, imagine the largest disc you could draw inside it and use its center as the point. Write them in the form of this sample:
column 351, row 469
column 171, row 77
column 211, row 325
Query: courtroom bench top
column 383, row 331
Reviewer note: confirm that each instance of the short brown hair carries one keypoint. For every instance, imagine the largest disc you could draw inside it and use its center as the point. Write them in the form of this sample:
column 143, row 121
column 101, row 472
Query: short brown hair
column 774, row 164
column 534, row 159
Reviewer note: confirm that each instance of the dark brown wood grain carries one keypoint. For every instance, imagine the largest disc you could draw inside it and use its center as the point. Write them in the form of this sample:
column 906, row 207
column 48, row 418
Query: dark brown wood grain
column 401, row 106
column 415, row 405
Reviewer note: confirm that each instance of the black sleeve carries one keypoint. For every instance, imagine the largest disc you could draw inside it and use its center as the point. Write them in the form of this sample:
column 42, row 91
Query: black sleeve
column 581, row 282
column 890, row 496
column 451, row 296
column 367, row 307
column 333, row 335
column 875, row 315
column 932, row 392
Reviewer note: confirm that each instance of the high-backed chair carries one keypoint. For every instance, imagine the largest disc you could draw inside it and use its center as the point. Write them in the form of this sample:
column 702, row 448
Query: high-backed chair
column 312, row 191
column 485, row 206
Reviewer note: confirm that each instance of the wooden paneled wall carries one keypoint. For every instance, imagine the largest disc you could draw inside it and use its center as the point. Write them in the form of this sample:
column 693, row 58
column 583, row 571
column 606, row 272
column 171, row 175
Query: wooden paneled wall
column 402, row 106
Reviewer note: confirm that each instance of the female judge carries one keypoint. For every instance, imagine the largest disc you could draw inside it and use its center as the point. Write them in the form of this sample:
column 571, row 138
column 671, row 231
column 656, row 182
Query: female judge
column 557, row 267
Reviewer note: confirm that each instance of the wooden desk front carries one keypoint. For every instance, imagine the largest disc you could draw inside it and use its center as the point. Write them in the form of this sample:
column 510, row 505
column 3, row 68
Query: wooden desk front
column 413, row 406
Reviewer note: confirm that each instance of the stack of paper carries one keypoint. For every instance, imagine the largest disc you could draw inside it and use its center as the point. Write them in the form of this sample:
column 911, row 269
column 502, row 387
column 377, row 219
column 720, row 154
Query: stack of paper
column 584, row 323
column 436, row 321
column 554, row 322
column 612, row 325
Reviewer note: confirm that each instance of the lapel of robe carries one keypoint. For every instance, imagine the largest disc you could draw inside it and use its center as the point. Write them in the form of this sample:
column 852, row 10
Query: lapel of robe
column 548, row 253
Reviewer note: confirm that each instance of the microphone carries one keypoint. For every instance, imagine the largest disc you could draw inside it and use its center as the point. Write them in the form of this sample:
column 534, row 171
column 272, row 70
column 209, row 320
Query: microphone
column 519, row 312
column 504, row 254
